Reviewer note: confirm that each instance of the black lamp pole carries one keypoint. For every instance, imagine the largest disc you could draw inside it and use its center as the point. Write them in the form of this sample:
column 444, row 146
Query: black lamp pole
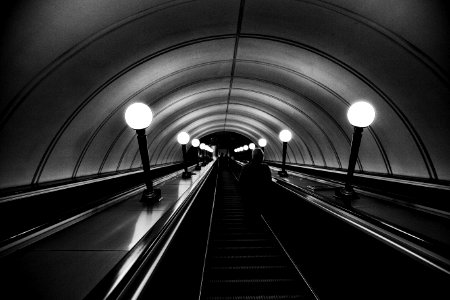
column 150, row 193
column 185, row 174
column 203, row 157
column 347, row 193
column 283, row 172
column 198, row 167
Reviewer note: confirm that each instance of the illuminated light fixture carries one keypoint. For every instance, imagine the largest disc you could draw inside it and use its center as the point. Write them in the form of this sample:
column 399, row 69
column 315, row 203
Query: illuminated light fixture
column 251, row 146
column 183, row 138
column 360, row 114
column 139, row 116
column 262, row 143
column 195, row 143
column 245, row 148
column 285, row 136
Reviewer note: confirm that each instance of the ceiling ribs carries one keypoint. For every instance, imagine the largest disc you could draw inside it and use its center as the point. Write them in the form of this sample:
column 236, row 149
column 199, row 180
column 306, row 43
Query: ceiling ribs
column 233, row 66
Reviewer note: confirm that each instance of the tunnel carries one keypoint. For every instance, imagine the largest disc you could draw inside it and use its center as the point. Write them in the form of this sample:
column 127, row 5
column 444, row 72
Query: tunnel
column 228, row 73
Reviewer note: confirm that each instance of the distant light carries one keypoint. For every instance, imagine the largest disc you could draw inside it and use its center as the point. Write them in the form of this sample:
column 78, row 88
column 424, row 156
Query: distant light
column 138, row 116
column 262, row 142
column 361, row 114
column 285, row 135
column 236, row 150
column 245, row 148
column 202, row 146
column 195, row 142
column 251, row 146
column 183, row 138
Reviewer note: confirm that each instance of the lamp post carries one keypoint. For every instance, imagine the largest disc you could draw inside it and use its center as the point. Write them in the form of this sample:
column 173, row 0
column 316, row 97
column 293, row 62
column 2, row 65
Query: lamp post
column 251, row 146
column 262, row 143
column 183, row 139
column 139, row 116
column 285, row 136
column 360, row 114
column 195, row 143
column 245, row 147
column 202, row 147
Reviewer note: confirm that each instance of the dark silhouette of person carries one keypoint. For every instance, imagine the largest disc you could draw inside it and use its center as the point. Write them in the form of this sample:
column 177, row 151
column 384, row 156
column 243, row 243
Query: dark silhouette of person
column 254, row 182
column 222, row 161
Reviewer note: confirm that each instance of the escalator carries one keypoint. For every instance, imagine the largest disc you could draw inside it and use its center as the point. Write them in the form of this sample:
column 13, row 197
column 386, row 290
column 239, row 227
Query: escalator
column 214, row 248
column 244, row 259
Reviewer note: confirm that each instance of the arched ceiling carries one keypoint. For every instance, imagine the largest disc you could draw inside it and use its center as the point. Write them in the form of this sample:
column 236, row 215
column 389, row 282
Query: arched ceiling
column 70, row 68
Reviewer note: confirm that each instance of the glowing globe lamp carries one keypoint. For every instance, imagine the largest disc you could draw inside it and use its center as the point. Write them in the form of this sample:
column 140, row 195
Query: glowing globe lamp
column 195, row 143
column 361, row 114
column 262, row 142
column 285, row 135
column 138, row 116
column 183, row 138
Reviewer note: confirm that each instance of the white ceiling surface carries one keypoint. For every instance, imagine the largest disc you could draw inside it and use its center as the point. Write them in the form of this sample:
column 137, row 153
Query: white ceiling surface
column 70, row 68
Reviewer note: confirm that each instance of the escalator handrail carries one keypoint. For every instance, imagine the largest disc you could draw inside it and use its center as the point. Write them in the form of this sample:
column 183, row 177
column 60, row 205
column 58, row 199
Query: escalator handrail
column 127, row 278
column 388, row 234
column 37, row 233
column 428, row 252
column 76, row 183
column 209, row 235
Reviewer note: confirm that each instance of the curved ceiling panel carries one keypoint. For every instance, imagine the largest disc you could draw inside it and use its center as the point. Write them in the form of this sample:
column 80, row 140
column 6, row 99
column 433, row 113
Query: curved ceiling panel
column 254, row 67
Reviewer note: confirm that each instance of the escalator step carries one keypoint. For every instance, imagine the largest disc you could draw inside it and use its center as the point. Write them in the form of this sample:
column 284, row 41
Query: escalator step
column 252, row 281
column 243, row 260
column 256, row 297
column 258, row 286
column 249, row 268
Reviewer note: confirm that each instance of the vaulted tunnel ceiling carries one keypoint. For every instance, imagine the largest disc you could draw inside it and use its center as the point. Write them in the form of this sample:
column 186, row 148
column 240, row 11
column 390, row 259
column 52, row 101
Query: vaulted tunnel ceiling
column 255, row 67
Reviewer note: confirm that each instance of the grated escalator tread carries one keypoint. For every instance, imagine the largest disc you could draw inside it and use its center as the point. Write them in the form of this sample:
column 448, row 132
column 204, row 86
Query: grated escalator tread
column 243, row 260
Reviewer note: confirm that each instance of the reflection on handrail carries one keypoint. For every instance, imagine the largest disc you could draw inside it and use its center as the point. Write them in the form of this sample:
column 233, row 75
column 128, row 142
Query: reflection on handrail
column 428, row 252
column 61, row 187
column 148, row 250
column 405, row 242
column 37, row 233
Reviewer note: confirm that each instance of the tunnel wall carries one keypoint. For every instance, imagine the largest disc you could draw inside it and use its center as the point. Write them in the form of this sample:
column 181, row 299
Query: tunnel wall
column 70, row 68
